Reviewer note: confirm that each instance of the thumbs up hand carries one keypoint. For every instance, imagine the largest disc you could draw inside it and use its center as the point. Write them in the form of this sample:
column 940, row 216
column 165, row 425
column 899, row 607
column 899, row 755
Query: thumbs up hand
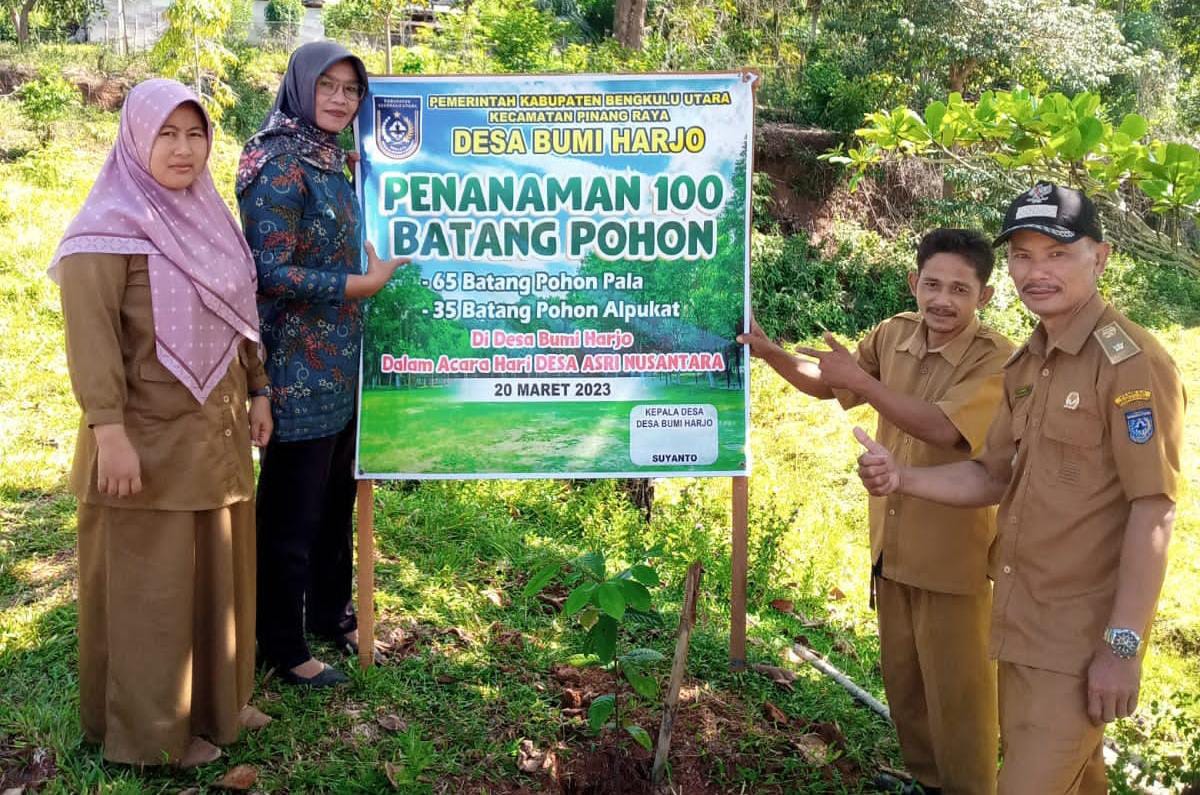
column 876, row 467
column 839, row 368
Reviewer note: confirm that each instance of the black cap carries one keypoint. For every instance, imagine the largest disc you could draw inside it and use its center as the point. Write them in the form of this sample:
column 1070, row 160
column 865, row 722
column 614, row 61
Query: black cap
column 1063, row 214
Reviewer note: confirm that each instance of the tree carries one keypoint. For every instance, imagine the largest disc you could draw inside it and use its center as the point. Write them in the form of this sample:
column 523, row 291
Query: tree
column 193, row 47
column 629, row 23
column 18, row 13
column 1147, row 190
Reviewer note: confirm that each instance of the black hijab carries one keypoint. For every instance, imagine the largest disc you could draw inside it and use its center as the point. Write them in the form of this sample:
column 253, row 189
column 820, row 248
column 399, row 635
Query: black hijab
column 291, row 127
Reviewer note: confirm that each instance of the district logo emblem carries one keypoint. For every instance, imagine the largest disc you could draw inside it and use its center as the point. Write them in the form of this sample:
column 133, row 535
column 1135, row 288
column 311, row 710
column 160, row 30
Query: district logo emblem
column 398, row 126
column 1140, row 424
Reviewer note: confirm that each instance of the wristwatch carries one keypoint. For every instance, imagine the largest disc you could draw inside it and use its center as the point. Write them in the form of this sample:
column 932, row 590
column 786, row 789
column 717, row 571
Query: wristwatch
column 1123, row 642
column 261, row 392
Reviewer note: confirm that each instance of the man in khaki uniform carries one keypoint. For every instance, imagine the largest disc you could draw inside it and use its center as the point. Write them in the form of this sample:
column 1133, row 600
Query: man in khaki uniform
column 1083, row 458
column 935, row 378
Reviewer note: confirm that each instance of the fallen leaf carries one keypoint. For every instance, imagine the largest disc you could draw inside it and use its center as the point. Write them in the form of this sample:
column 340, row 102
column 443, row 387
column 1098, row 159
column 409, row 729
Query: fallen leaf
column 836, row 594
column 530, row 759
column 393, row 774
column 774, row 713
column 240, row 778
column 845, row 647
column 460, row 635
column 783, row 605
column 444, row 679
column 392, row 723
column 813, row 749
column 495, row 597
column 780, row 676
column 553, row 602
column 572, row 698
column 803, row 641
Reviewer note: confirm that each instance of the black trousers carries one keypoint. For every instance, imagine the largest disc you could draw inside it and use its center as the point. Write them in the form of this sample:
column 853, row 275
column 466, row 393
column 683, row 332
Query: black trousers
column 305, row 558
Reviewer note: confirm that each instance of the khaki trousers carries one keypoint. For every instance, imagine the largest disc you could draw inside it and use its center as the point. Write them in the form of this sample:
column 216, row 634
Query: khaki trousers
column 166, row 627
column 940, row 684
column 1050, row 745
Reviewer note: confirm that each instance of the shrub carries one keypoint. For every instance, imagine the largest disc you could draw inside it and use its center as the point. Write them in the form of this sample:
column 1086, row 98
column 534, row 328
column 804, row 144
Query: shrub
column 45, row 101
column 283, row 17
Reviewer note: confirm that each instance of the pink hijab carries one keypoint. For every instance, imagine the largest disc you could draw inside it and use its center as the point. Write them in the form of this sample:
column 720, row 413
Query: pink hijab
column 202, row 278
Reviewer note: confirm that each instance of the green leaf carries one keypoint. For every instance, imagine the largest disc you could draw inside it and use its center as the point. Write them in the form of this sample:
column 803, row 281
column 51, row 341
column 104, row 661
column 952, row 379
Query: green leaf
column 610, row 599
column 645, row 575
column 643, row 684
column 1134, row 126
column 602, row 639
column 578, row 598
column 640, row 736
column 934, row 113
column 601, row 709
column 636, row 595
column 642, row 656
column 582, row 660
column 593, row 563
column 588, row 616
column 540, row 580
column 1090, row 133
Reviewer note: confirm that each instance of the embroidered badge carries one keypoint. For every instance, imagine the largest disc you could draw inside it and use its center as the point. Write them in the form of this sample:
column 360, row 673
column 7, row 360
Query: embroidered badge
column 1140, row 424
column 1132, row 396
column 1118, row 346
column 1023, row 391
column 1039, row 193
column 1072, row 401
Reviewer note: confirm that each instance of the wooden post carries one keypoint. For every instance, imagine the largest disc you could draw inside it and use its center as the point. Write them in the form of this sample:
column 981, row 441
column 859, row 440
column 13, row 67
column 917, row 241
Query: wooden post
column 737, row 596
column 366, row 573
column 687, row 620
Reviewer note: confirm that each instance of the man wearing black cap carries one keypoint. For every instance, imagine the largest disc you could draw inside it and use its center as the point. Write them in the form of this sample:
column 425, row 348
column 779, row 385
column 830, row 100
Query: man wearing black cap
column 1083, row 459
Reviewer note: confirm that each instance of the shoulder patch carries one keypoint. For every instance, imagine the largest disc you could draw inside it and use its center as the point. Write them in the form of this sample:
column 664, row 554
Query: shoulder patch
column 1118, row 346
column 1132, row 396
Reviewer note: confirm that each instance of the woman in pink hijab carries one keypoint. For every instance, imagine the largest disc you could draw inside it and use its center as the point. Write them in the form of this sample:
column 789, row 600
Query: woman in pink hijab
column 162, row 347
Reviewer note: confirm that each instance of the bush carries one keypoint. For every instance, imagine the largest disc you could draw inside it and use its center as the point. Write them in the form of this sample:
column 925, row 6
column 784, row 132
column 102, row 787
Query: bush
column 283, row 17
column 798, row 292
column 45, row 101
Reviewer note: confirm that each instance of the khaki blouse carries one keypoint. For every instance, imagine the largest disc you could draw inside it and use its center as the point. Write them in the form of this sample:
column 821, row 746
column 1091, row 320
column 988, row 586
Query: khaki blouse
column 193, row 457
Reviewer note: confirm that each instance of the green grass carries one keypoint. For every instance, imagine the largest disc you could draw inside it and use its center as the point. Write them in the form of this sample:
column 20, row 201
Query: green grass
column 442, row 546
column 431, row 430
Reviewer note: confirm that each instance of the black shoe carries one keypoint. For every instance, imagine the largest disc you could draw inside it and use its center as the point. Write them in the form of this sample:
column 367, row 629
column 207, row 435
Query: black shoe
column 327, row 678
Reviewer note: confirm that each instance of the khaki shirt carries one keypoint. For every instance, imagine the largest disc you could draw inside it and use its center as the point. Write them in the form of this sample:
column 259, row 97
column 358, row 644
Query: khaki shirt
column 1084, row 428
column 193, row 457
column 925, row 544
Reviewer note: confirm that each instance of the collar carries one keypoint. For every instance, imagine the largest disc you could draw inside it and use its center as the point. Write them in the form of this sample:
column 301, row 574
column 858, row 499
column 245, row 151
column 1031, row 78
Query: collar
column 953, row 351
column 1077, row 332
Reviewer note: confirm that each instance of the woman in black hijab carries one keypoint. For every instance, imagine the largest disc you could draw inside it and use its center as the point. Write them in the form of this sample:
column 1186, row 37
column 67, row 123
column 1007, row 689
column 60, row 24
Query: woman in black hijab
column 301, row 219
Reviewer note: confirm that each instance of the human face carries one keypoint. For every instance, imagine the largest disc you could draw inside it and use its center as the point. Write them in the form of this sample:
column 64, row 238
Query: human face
column 1053, row 278
column 334, row 103
column 948, row 293
column 180, row 149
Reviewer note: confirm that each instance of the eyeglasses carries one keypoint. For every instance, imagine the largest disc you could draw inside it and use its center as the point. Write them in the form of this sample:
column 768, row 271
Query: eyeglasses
column 328, row 87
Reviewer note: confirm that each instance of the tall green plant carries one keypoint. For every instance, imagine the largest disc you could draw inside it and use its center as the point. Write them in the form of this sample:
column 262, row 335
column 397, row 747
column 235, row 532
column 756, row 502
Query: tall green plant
column 601, row 603
column 1013, row 138
column 45, row 101
column 193, row 49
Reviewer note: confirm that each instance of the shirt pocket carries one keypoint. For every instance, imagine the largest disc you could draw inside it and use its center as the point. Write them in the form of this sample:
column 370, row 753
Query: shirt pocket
column 156, row 395
column 1075, row 438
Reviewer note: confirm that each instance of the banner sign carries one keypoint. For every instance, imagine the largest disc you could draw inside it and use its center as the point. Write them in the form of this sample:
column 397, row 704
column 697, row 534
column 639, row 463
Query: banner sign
column 580, row 268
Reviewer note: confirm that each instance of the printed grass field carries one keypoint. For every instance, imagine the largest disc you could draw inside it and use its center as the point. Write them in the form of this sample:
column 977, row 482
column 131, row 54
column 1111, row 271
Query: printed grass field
column 430, row 430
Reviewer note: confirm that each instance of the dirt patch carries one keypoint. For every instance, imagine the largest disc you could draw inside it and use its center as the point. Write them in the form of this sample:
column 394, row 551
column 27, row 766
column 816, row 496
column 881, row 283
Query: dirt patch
column 104, row 91
column 25, row 768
